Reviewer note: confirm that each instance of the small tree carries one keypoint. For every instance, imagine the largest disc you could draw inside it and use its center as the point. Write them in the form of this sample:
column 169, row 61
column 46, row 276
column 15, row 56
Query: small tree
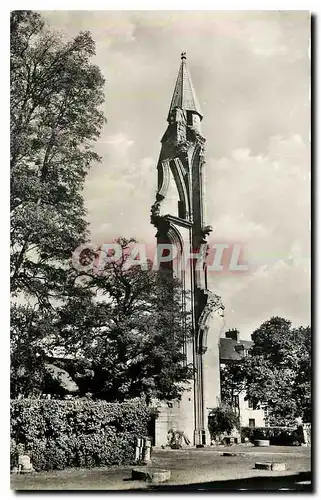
column 222, row 420
column 232, row 376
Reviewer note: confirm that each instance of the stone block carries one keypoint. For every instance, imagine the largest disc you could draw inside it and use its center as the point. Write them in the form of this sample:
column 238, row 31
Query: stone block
column 24, row 464
column 261, row 442
column 263, row 465
column 278, row 466
column 27, row 471
column 151, row 474
column 231, row 454
column 24, row 461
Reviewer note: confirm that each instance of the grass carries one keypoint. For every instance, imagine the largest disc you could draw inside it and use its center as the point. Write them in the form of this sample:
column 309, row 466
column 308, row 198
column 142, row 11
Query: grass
column 204, row 468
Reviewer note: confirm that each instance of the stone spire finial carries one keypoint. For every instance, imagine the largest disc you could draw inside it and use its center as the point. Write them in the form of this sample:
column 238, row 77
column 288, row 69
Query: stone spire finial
column 184, row 96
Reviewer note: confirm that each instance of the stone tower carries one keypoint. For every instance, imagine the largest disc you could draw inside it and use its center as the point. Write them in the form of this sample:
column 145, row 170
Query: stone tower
column 182, row 159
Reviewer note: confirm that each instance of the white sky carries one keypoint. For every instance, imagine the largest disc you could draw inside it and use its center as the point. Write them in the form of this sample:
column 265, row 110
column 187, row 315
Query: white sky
column 251, row 75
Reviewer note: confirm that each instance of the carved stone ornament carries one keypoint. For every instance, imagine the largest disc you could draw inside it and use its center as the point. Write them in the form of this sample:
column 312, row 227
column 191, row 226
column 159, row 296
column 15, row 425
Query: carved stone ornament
column 206, row 231
column 155, row 213
column 213, row 304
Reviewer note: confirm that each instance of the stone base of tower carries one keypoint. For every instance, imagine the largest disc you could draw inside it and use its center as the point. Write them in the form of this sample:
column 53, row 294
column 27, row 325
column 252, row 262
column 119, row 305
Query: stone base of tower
column 202, row 437
column 180, row 416
column 173, row 418
column 175, row 415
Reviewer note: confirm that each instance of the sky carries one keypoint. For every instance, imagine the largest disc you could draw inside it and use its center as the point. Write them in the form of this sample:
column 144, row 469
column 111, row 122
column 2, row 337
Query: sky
column 251, row 73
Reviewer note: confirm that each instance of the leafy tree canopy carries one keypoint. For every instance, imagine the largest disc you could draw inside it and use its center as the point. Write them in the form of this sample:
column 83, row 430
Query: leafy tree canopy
column 123, row 329
column 133, row 333
column 277, row 373
column 56, row 98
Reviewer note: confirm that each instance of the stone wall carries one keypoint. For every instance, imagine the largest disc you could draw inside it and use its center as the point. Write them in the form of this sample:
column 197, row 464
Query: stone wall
column 177, row 415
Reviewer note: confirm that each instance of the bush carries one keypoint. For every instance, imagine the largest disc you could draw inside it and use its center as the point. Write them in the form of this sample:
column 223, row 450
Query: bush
column 58, row 434
column 222, row 420
column 280, row 436
column 177, row 439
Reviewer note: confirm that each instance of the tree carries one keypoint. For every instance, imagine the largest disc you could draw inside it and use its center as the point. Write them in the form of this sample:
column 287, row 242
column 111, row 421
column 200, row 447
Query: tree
column 278, row 372
column 26, row 364
column 232, row 380
column 231, row 375
column 56, row 98
column 221, row 420
column 133, row 336
column 123, row 338
column 127, row 324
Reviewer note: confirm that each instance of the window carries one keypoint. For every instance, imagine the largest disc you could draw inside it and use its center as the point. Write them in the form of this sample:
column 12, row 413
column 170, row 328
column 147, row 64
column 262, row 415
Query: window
column 251, row 404
column 266, row 416
column 189, row 118
column 251, row 422
column 236, row 401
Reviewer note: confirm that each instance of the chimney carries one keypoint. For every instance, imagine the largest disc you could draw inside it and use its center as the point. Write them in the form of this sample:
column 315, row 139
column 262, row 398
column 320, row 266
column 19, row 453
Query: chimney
column 233, row 334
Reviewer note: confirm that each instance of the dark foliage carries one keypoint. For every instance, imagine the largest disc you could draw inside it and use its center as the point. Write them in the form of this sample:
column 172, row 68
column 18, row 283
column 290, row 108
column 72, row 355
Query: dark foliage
column 222, row 420
column 278, row 372
column 278, row 436
column 77, row 433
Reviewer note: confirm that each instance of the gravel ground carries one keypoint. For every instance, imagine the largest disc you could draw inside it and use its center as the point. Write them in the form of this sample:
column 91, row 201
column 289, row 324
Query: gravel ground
column 192, row 469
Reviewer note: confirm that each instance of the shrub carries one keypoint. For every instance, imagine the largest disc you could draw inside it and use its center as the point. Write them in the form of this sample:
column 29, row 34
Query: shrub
column 177, row 439
column 281, row 436
column 222, row 420
column 58, row 434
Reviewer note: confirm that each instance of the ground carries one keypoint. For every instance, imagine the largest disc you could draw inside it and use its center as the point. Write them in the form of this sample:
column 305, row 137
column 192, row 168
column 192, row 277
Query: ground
column 193, row 469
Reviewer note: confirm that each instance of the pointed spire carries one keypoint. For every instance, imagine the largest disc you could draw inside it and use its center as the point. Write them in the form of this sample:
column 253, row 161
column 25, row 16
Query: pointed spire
column 184, row 95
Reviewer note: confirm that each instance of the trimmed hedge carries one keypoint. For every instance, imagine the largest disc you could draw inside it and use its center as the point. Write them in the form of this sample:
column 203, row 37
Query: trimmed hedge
column 59, row 434
column 280, row 436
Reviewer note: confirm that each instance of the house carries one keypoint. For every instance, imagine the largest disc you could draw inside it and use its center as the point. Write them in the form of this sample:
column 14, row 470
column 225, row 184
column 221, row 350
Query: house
column 233, row 349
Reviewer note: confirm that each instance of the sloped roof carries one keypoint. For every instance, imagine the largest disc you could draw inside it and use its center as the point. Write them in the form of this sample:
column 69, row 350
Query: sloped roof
column 228, row 348
column 247, row 344
column 184, row 96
